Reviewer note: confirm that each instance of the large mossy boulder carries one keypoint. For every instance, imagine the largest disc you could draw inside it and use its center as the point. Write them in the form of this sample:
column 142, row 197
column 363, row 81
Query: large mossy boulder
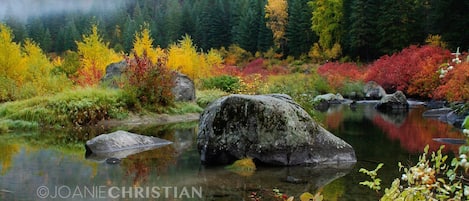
column 396, row 102
column 271, row 129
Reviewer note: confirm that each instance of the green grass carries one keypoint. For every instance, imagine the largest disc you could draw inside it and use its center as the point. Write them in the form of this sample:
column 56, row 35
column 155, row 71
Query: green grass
column 205, row 97
column 74, row 107
column 183, row 108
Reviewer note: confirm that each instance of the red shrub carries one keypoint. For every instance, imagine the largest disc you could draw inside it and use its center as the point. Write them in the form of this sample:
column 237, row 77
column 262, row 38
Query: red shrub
column 337, row 73
column 88, row 77
column 455, row 85
column 396, row 72
column 150, row 83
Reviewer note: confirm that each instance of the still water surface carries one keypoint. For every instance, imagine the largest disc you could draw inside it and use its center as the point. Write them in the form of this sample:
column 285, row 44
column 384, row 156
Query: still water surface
column 53, row 166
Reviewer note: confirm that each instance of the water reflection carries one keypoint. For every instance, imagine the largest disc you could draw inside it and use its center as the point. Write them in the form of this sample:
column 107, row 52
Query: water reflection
column 28, row 163
column 30, row 160
column 408, row 128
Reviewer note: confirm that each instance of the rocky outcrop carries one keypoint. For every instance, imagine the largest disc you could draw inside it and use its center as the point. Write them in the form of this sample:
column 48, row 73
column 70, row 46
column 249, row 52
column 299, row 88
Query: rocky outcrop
column 395, row 102
column 437, row 113
column 373, row 91
column 271, row 129
column 121, row 144
column 183, row 89
column 112, row 71
column 330, row 98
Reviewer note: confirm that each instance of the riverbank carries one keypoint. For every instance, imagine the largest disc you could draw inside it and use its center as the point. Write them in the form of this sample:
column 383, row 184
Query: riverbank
column 95, row 107
column 149, row 119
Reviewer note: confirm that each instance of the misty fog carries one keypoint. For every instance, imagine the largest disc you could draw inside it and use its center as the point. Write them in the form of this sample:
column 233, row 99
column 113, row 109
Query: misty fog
column 23, row 9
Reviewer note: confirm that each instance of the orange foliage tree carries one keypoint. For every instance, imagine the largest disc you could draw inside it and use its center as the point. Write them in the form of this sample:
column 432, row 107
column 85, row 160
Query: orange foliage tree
column 276, row 13
column 95, row 55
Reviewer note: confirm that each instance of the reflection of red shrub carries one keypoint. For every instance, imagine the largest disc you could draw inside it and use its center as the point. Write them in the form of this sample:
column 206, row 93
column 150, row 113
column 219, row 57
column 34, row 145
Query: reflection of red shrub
column 455, row 84
column 334, row 120
column 396, row 72
column 337, row 73
column 415, row 133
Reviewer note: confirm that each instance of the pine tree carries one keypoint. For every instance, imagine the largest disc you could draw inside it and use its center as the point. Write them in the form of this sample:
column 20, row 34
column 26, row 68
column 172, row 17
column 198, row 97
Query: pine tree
column 299, row 35
column 173, row 21
column 245, row 32
column 396, row 24
column 362, row 29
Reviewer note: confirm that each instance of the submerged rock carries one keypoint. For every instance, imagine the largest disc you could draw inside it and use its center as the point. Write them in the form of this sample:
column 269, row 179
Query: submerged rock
column 271, row 129
column 393, row 102
column 437, row 113
column 121, row 144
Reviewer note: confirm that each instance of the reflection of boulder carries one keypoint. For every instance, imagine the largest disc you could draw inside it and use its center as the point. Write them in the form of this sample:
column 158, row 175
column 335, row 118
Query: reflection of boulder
column 183, row 139
column 294, row 180
column 373, row 91
column 396, row 102
column 271, row 129
column 121, row 144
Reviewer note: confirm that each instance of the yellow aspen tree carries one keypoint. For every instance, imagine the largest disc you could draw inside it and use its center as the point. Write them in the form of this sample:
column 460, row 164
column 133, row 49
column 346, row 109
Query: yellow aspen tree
column 276, row 13
column 183, row 57
column 95, row 55
column 11, row 62
column 144, row 43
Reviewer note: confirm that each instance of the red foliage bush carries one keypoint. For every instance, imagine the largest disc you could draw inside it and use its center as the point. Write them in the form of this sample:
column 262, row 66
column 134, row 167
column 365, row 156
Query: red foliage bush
column 150, row 83
column 455, row 86
column 398, row 71
column 337, row 73
column 88, row 77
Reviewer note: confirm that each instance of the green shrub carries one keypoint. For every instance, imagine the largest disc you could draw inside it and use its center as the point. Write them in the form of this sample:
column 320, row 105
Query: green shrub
column 205, row 97
column 225, row 83
column 352, row 90
column 3, row 127
column 77, row 107
column 183, row 108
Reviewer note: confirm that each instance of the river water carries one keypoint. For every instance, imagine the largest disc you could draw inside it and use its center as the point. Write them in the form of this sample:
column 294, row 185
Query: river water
column 52, row 165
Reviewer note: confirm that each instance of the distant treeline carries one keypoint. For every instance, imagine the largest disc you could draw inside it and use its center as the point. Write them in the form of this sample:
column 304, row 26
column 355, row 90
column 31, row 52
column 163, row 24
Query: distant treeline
column 364, row 29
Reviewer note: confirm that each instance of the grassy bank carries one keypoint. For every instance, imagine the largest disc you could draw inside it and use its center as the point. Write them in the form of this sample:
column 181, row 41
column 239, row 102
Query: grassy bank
column 80, row 107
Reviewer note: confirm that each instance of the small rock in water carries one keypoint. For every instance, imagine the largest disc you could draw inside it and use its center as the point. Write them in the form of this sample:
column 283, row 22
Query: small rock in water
column 113, row 161
column 294, row 180
column 450, row 140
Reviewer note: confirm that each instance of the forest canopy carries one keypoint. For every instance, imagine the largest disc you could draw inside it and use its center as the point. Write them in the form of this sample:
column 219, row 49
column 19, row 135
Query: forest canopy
column 360, row 29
